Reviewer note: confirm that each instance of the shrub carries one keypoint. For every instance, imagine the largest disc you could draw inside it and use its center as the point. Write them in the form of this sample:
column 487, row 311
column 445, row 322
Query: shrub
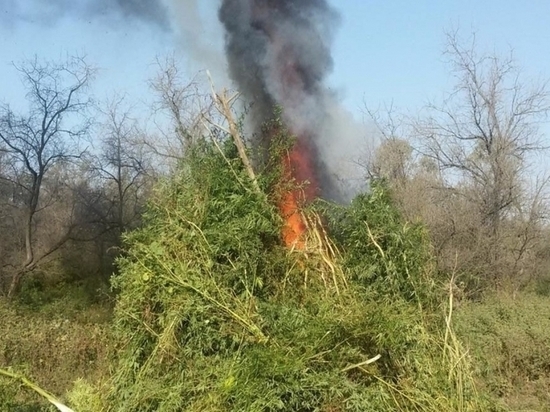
column 509, row 341
column 382, row 251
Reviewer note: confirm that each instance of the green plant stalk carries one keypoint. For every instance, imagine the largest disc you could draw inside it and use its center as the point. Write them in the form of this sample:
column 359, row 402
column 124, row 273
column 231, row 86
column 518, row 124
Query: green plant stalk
column 50, row 398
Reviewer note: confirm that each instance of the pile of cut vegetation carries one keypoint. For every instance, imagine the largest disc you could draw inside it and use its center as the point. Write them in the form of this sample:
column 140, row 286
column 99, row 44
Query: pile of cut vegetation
column 215, row 314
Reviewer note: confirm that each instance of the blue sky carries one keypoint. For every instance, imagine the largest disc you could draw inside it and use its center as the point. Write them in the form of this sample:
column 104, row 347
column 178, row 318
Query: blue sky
column 384, row 51
column 392, row 50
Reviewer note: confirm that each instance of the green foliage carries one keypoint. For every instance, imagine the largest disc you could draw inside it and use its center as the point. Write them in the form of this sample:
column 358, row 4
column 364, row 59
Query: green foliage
column 61, row 297
column 542, row 285
column 382, row 251
column 190, row 283
column 52, row 346
column 510, row 340
column 215, row 315
column 85, row 397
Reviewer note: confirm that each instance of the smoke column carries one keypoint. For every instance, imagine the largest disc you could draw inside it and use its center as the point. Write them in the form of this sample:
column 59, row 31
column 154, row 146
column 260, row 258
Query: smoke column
column 279, row 55
column 278, row 52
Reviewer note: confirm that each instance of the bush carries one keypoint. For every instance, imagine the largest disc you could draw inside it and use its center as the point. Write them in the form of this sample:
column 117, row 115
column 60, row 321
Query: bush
column 509, row 340
column 382, row 251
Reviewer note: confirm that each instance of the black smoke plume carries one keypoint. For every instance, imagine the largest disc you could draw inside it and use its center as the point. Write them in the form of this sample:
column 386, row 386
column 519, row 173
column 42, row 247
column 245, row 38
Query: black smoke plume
column 278, row 53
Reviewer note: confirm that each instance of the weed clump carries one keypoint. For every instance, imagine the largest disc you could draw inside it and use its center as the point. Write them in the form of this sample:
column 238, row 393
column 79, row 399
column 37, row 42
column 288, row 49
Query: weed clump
column 51, row 342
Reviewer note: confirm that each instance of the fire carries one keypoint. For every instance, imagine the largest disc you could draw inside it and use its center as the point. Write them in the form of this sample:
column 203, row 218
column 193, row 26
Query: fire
column 298, row 166
column 289, row 84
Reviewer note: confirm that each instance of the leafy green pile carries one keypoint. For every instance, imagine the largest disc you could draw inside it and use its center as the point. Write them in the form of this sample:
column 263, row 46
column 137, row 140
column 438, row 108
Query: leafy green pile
column 214, row 314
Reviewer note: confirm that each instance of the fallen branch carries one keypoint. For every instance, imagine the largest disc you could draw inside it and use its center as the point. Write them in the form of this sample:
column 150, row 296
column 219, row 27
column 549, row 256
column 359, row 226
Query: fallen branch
column 223, row 104
column 358, row 365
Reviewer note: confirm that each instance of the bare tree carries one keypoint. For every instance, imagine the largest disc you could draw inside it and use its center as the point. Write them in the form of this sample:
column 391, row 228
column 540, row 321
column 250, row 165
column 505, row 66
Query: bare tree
column 183, row 103
column 392, row 158
column 48, row 135
column 122, row 165
column 480, row 138
column 484, row 130
column 463, row 168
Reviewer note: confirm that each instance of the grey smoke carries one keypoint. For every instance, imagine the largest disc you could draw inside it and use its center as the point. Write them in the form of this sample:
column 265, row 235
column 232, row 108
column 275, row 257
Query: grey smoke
column 260, row 35
column 145, row 10
column 303, row 30
column 48, row 12
column 200, row 35
column 279, row 54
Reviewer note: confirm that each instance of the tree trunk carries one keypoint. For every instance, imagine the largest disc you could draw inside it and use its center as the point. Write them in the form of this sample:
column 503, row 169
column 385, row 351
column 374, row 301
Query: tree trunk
column 16, row 283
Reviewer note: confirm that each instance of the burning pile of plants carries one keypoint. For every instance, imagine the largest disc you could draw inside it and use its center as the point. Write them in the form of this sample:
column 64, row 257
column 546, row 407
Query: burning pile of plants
column 217, row 312
column 246, row 289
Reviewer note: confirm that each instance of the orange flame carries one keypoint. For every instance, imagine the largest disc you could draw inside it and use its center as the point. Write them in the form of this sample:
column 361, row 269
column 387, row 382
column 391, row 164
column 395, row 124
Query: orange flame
column 298, row 167
column 298, row 164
